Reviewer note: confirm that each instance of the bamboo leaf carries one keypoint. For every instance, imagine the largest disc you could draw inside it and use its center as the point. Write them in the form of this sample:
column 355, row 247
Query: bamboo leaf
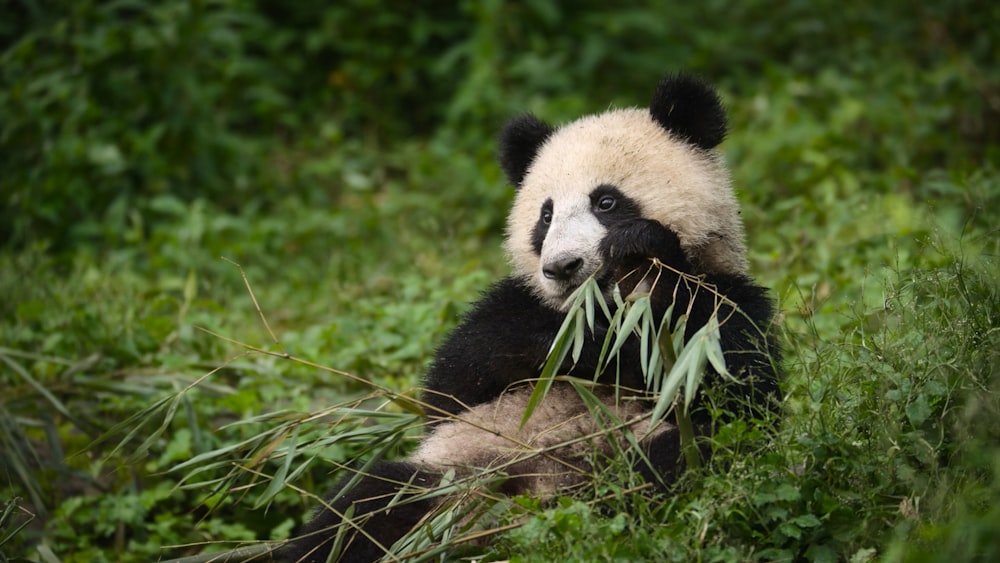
column 680, row 373
column 696, row 371
column 714, row 348
column 644, row 337
column 629, row 324
column 8, row 510
column 668, row 393
column 579, row 334
column 204, row 457
column 686, row 430
column 664, row 340
column 168, row 418
column 557, row 354
column 605, row 358
column 616, row 296
column 539, row 392
column 338, row 541
column 654, row 369
column 697, row 348
column 677, row 336
column 280, row 477
column 599, row 298
column 588, row 302
column 408, row 405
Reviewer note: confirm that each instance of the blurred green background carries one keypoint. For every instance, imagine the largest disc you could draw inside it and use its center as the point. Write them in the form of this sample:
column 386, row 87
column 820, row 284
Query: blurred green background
column 343, row 154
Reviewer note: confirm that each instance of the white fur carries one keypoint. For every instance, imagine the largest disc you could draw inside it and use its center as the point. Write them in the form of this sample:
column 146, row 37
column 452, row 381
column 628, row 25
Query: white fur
column 576, row 232
column 547, row 451
column 682, row 187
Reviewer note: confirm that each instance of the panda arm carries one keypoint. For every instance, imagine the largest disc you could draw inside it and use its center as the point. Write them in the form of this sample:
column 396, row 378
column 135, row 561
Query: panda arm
column 751, row 351
column 503, row 339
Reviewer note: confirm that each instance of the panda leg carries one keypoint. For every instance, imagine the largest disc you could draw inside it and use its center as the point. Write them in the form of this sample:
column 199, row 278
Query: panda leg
column 664, row 461
column 380, row 525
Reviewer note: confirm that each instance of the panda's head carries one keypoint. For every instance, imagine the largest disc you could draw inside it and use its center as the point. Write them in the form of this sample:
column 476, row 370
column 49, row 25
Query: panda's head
column 577, row 181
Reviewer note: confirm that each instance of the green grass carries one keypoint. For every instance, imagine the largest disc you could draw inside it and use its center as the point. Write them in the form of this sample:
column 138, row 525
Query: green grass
column 864, row 147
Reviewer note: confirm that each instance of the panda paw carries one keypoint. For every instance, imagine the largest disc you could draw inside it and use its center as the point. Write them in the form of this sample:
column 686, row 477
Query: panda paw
column 639, row 241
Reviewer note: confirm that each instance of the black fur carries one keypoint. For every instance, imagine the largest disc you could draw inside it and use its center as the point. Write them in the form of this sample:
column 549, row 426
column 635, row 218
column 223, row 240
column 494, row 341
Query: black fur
column 691, row 109
column 503, row 339
column 625, row 210
column 750, row 350
column 506, row 336
column 519, row 143
column 395, row 482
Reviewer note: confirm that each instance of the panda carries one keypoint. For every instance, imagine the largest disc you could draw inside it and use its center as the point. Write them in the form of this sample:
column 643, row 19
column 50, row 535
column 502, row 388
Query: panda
column 607, row 197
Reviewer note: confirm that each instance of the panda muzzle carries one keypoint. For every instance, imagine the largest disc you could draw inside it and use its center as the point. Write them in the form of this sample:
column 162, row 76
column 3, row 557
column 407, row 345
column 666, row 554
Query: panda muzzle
column 562, row 269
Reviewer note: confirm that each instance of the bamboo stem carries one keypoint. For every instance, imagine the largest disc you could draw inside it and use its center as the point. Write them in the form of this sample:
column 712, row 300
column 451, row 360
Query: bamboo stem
column 690, row 450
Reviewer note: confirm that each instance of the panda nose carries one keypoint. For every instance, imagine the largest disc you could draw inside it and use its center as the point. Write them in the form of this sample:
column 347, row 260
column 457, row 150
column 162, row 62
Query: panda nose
column 563, row 268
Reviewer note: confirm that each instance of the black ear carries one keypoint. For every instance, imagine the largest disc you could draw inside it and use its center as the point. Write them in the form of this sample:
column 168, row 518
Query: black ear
column 689, row 108
column 519, row 143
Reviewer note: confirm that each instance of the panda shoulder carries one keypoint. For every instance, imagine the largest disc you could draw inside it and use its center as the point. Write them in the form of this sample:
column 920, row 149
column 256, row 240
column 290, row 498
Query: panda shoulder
column 510, row 296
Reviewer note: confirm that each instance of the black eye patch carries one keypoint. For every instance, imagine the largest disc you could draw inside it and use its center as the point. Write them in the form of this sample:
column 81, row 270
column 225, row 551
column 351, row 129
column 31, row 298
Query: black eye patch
column 541, row 227
column 612, row 207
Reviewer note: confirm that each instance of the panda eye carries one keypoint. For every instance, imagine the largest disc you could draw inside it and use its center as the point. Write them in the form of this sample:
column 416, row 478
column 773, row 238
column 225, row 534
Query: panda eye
column 546, row 215
column 606, row 203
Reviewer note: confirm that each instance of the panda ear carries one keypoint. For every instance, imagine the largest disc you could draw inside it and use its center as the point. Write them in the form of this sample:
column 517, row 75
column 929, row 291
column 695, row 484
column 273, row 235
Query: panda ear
column 519, row 143
column 689, row 108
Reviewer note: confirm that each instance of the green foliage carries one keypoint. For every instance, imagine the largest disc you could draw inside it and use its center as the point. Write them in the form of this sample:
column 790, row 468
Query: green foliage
column 576, row 531
column 168, row 74
column 342, row 154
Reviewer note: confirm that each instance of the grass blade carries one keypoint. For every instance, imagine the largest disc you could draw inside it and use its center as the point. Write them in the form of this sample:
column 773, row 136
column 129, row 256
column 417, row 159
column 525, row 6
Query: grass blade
column 280, row 477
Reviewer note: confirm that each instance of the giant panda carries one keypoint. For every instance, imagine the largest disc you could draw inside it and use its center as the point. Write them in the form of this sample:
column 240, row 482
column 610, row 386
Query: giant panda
column 607, row 196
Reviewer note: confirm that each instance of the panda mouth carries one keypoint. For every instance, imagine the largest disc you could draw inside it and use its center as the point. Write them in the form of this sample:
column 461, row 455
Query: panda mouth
column 559, row 294
column 563, row 291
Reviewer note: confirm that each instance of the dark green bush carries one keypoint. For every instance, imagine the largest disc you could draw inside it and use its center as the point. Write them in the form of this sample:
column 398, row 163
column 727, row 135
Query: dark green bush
column 108, row 104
